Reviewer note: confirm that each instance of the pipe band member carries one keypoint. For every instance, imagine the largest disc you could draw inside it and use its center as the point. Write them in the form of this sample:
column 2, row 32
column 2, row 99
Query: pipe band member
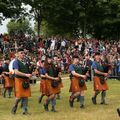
column 56, row 62
column 22, row 85
column 78, row 85
column 52, row 79
column 8, row 81
column 43, row 86
column 100, row 83
column 1, row 79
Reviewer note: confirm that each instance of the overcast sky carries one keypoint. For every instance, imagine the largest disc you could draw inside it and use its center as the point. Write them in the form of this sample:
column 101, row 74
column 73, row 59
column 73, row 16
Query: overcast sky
column 3, row 27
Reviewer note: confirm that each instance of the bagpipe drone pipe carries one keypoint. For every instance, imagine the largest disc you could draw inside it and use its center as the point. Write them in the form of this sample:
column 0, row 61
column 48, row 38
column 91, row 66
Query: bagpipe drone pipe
column 108, row 69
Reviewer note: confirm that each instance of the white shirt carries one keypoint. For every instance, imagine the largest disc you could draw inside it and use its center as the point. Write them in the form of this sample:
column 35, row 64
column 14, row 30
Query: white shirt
column 63, row 43
column 11, row 65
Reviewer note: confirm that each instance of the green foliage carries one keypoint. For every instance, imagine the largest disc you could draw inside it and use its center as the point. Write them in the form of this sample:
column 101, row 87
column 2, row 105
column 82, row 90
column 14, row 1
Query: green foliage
column 37, row 11
column 10, row 9
column 110, row 23
column 20, row 26
column 74, row 18
column 44, row 28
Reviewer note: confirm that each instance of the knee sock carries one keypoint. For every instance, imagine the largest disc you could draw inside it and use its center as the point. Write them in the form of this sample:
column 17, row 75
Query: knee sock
column 25, row 104
column 53, row 101
column 81, row 100
column 96, row 94
column 47, row 101
column 9, row 92
column 78, row 98
column 16, row 102
column 103, row 95
column 4, row 93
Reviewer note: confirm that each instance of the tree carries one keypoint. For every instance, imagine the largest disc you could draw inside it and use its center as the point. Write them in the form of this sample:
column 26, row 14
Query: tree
column 58, row 14
column 19, row 27
column 107, row 20
column 10, row 9
column 62, row 17
column 99, row 18
column 37, row 11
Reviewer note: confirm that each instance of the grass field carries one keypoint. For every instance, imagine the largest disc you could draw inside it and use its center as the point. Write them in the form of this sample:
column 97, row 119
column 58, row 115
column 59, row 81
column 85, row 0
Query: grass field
column 91, row 112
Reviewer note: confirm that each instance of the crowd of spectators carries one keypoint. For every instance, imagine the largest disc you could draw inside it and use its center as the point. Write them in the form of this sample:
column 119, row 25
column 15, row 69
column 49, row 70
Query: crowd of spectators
column 37, row 48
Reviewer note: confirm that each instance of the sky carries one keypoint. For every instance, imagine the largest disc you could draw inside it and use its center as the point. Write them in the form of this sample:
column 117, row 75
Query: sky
column 3, row 27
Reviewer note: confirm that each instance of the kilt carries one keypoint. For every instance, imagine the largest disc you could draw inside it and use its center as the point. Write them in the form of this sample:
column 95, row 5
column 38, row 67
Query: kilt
column 98, row 85
column 9, row 82
column 43, row 86
column 49, row 89
column 75, row 87
column 19, row 90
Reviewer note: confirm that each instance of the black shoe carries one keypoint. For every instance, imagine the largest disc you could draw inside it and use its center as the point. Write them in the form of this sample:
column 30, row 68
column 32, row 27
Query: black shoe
column 53, row 110
column 94, row 100
column 103, row 103
column 71, row 103
column 26, row 113
column 46, row 107
column 82, row 106
column 118, row 110
column 14, row 109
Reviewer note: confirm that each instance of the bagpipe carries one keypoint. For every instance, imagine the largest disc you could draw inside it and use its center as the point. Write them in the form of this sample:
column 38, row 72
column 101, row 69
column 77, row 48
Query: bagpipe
column 55, row 83
column 85, row 70
column 107, row 67
column 25, row 85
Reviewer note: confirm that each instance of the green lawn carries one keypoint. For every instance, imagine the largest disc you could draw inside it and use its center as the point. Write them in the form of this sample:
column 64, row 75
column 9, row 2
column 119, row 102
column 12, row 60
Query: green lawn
column 91, row 112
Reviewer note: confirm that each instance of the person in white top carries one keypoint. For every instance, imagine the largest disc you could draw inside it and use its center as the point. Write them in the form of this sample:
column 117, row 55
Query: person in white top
column 52, row 47
column 63, row 43
column 13, row 58
column 11, row 66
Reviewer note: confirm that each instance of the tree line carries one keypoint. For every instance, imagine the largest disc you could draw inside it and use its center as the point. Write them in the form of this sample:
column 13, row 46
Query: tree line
column 70, row 18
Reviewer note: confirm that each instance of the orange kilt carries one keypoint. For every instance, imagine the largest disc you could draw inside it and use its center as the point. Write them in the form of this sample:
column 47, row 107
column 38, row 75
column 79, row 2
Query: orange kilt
column 43, row 86
column 19, row 90
column 9, row 82
column 98, row 85
column 75, row 87
column 49, row 89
